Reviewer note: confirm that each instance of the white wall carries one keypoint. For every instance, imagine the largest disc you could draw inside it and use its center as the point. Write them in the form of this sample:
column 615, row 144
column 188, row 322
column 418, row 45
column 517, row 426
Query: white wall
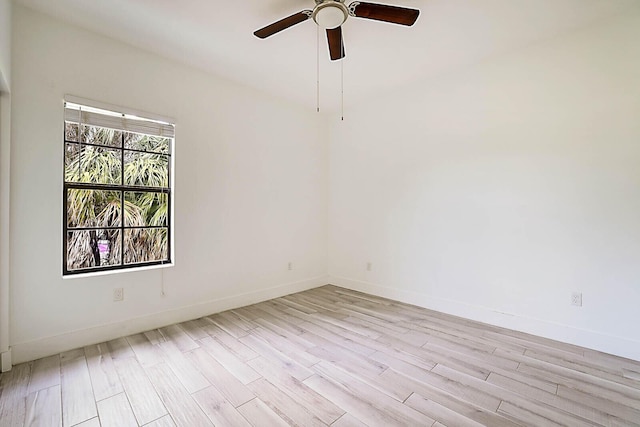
column 5, row 45
column 5, row 166
column 496, row 192
column 250, row 191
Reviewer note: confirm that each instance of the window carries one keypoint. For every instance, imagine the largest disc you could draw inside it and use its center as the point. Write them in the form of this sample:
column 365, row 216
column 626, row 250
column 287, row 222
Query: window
column 117, row 189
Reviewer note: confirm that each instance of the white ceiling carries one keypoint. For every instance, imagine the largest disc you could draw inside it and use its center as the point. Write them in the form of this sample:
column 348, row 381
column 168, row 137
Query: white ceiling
column 218, row 37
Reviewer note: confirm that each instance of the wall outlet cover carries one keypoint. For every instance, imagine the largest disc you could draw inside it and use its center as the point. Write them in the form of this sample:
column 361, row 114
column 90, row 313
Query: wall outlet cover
column 576, row 299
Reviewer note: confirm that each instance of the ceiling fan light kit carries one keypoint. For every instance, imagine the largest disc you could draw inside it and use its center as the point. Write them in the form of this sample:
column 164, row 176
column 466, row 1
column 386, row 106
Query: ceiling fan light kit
column 331, row 14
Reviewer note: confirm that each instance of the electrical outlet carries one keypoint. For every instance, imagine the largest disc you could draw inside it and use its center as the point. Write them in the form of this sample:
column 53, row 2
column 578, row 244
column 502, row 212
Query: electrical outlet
column 368, row 266
column 118, row 294
column 290, row 266
column 576, row 299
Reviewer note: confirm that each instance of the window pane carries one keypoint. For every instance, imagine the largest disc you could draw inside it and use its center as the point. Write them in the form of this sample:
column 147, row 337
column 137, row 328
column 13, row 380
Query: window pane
column 144, row 208
column 145, row 245
column 70, row 131
column 71, row 160
column 92, row 164
column 87, row 249
column 93, row 208
column 101, row 136
column 146, row 169
column 137, row 141
column 114, row 219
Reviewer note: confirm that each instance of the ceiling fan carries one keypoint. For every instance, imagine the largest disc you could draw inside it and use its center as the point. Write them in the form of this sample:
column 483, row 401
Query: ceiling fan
column 331, row 14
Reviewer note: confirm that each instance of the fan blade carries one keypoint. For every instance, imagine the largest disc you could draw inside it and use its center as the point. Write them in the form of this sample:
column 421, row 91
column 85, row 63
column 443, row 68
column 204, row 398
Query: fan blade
column 336, row 47
column 383, row 12
column 283, row 24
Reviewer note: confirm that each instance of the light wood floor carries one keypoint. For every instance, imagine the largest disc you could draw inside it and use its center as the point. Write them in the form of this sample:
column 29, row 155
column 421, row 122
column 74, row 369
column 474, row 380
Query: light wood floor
column 328, row 356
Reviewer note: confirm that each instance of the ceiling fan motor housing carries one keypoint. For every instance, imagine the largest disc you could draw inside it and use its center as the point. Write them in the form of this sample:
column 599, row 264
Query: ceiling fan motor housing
column 329, row 14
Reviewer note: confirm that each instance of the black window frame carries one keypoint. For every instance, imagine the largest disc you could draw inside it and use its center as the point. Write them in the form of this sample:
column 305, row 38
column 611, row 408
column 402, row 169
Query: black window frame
column 122, row 188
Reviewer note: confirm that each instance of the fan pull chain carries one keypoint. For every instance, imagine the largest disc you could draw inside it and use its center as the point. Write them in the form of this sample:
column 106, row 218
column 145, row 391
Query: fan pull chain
column 317, row 69
column 342, row 81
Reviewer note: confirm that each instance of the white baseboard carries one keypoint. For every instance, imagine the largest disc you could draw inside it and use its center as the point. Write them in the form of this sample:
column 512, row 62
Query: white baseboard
column 618, row 346
column 42, row 347
column 5, row 361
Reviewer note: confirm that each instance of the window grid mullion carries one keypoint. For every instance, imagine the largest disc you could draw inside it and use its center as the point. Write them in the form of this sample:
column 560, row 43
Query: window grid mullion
column 122, row 211
column 133, row 150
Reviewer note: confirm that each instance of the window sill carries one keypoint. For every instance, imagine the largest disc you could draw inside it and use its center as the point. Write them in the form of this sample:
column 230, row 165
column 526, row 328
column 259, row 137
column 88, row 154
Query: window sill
column 119, row 271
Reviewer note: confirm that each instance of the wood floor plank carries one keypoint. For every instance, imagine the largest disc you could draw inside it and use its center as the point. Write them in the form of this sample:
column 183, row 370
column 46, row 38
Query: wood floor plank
column 348, row 420
column 529, row 405
column 179, row 337
column 185, row 371
column 104, row 378
column 194, row 329
column 292, row 367
column 527, row 417
column 220, row 411
column 541, row 368
column 44, row 408
column 576, row 408
column 45, row 373
column 290, row 319
column 322, row 408
column 245, row 313
column 165, row 421
column 275, row 321
column 622, row 394
column 439, row 413
column 582, row 367
column 392, row 407
column 231, row 324
column 389, row 357
column 183, row 409
column 399, row 365
column 116, row 412
column 78, row 401
column 338, row 320
column 527, row 344
column 290, row 312
column 487, row 355
column 236, row 347
column 230, row 387
column 259, row 414
column 363, row 321
column 331, row 330
column 235, row 366
column 613, row 362
column 304, row 308
column 312, row 329
column 604, row 406
column 542, row 384
column 154, row 336
column 470, row 365
column 358, row 402
column 120, row 348
column 363, row 366
column 282, row 404
column 144, row 400
column 272, row 325
column 291, row 347
column 147, row 353
column 93, row 422
column 632, row 375
column 394, row 327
